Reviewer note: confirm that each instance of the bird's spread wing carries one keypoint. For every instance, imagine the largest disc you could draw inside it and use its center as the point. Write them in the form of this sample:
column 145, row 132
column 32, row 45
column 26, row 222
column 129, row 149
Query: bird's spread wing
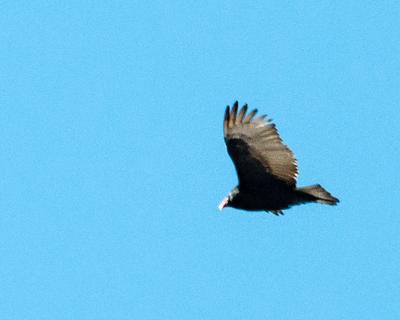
column 259, row 155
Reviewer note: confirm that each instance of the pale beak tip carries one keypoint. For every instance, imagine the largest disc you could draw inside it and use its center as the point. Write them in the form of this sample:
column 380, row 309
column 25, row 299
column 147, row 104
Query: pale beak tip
column 223, row 204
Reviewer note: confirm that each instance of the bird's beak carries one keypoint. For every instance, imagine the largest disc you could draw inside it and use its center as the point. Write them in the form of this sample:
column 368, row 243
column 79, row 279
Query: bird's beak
column 223, row 203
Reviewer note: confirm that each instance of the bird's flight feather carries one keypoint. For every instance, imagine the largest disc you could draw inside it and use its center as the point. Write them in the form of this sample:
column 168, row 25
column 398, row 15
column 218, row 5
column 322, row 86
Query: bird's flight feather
column 260, row 157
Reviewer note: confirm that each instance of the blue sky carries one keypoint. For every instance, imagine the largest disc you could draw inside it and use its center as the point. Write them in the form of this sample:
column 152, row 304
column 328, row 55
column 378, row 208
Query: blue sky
column 113, row 162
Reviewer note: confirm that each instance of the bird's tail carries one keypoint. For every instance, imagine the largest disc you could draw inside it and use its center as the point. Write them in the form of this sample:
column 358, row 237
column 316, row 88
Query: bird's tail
column 316, row 193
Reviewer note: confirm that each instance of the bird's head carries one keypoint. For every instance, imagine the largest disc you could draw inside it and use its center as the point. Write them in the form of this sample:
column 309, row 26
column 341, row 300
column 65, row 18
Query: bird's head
column 227, row 201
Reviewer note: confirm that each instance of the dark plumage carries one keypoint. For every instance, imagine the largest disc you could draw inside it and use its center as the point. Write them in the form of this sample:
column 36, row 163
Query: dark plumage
column 266, row 168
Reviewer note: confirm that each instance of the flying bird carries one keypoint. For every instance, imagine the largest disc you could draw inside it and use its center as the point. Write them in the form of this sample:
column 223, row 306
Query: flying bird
column 265, row 166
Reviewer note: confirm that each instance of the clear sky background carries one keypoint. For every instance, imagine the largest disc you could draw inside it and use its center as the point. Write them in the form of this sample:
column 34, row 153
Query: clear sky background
column 113, row 161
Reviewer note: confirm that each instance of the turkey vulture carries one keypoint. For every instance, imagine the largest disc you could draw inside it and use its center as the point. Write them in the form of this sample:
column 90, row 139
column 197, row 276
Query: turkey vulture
column 266, row 168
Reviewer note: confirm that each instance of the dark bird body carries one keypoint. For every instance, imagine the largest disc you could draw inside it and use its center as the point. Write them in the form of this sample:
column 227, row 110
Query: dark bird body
column 266, row 168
